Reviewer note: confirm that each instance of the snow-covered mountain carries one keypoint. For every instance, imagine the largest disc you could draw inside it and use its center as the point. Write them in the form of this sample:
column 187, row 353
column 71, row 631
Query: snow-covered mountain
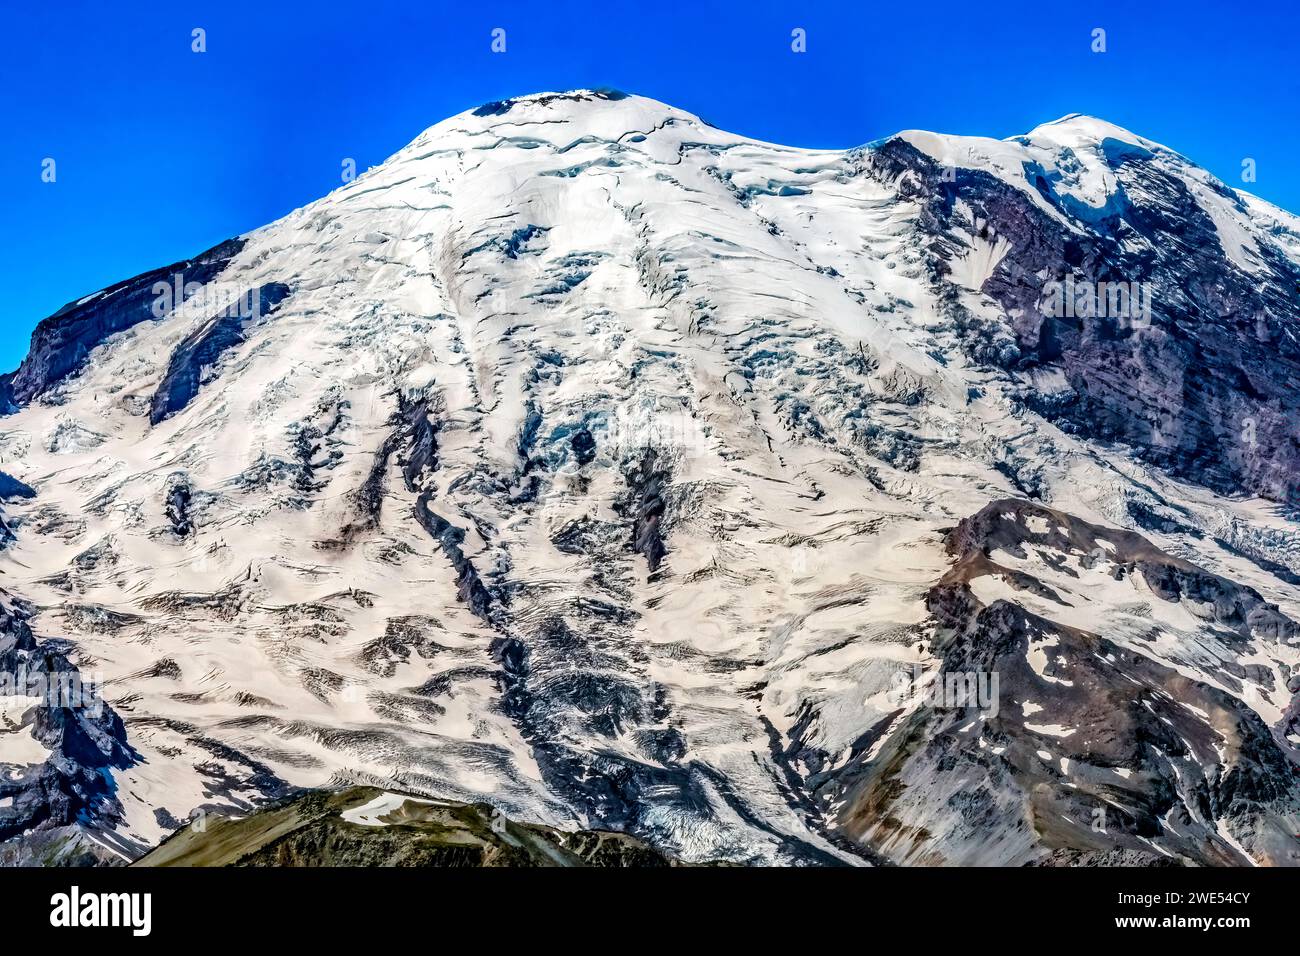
column 625, row 473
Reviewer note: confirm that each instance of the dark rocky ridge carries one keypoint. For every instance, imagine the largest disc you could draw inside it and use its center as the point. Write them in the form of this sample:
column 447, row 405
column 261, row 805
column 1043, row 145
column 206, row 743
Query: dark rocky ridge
column 1144, row 741
column 1210, row 391
column 1234, row 606
column 11, row 487
column 612, row 720
column 62, row 342
column 310, row 830
column 85, row 737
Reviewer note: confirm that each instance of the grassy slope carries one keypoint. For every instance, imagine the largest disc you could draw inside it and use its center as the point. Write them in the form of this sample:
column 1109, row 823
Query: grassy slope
column 309, row 830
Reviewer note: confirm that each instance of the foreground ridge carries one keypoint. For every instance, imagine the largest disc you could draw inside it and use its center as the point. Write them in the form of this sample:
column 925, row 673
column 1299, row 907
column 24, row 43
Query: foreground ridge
column 364, row 826
column 927, row 502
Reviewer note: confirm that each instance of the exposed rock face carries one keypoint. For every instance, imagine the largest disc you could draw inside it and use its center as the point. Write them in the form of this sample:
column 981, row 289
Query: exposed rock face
column 647, row 481
column 62, row 343
column 1205, row 383
column 631, row 475
column 59, row 743
column 1103, row 737
column 363, row 826
column 11, row 487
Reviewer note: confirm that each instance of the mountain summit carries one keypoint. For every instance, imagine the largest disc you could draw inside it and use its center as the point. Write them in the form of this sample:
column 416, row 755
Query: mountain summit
column 931, row 502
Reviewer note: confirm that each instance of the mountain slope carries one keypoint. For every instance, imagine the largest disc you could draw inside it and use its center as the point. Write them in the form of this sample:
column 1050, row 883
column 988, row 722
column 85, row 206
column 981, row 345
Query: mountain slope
column 590, row 461
column 363, row 826
column 1120, row 734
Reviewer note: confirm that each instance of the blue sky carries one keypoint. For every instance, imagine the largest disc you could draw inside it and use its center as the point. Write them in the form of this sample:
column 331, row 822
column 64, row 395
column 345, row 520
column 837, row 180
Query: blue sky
column 161, row 152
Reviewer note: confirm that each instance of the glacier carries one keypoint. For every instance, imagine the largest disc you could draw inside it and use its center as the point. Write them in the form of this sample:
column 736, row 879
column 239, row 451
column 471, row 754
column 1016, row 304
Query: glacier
column 599, row 464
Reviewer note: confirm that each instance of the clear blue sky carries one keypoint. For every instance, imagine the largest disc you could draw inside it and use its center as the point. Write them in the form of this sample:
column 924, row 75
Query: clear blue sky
column 162, row 152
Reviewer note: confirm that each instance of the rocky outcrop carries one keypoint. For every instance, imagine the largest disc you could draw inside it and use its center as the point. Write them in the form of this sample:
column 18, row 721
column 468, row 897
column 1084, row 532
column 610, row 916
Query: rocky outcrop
column 602, row 462
column 11, row 487
column 363, row 826
column 646, row 480
column 59, row 744
column 62, row 343
column 197, row 356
